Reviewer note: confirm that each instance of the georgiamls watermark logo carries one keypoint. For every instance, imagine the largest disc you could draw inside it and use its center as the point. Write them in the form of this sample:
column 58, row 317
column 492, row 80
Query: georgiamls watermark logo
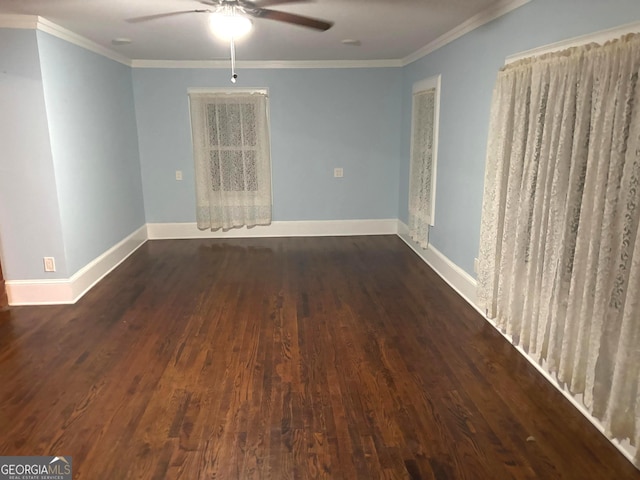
column 35, row 468
column 64, row 462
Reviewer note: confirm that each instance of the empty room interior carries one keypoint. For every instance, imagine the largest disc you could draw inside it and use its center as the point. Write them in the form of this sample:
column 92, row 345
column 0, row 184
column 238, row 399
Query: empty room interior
column 291, row 239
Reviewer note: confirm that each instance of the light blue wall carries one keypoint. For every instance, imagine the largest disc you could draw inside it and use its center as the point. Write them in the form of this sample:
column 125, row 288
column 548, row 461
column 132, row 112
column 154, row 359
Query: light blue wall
column 320, row 119
column 91, row 117
column 70, row 180
column 29, row 214
column 469, row 67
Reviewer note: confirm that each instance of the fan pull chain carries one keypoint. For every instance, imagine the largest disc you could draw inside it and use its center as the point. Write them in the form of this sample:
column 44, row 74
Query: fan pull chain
column 234, row 75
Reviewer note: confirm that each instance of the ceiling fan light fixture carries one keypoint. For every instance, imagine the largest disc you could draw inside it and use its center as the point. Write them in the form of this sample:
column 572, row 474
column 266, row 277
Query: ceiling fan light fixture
column 227, row 24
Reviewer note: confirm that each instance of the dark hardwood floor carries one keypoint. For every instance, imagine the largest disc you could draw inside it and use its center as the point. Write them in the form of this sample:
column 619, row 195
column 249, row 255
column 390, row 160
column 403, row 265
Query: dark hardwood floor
column 339, row 358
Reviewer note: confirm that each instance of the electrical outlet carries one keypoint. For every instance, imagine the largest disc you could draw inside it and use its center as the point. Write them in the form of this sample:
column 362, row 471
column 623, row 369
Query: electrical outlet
column 178, row 174
column 337, row 172
column 49, row 264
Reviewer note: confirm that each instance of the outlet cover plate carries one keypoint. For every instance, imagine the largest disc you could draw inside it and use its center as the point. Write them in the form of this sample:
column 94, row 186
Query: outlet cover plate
column 49, row 264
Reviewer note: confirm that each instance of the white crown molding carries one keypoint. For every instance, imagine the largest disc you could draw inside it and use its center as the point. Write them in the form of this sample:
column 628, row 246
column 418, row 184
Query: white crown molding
column 600, row 37
column 495, row 11
column 34, row 22
column 70, row 290
column 311, row 228
column 19, row 21
column 270, row 64
column 51, row 28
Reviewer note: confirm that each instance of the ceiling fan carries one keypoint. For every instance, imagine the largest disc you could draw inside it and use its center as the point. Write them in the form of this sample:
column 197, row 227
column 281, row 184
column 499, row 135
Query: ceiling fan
column 229, row 19
column 251, row 9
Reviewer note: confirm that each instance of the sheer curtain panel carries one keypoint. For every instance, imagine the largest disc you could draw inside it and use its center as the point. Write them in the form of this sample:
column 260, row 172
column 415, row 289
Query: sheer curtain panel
column 422, row 171
column 559, row 267
column 232, row 159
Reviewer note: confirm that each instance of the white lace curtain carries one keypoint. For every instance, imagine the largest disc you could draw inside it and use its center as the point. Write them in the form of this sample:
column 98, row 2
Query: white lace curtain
column 421, row 171
column 232, row 159
column 559, row 259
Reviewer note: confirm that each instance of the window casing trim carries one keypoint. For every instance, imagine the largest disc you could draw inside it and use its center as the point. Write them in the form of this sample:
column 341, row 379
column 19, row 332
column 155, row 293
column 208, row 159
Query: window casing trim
column 418, row 87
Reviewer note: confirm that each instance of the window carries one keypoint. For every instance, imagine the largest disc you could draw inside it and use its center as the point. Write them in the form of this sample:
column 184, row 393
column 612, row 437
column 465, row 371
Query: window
column 424, row 140
column 231, row 147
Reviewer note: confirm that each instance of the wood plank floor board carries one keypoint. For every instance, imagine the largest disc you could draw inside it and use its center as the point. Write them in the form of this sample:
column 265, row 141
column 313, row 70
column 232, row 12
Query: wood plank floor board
column 300, row 358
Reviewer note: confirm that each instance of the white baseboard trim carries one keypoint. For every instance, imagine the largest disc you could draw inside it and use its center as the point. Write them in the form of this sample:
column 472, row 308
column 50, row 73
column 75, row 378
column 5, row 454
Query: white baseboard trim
column 456, row 277
column 85, row 278
column 310, row 228
column 39, row 292
column 68, row 291
column 466, row 285
column 628, row 450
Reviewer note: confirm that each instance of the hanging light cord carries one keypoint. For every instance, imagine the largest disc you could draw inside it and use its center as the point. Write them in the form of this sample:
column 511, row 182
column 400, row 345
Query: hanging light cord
column 234, row 75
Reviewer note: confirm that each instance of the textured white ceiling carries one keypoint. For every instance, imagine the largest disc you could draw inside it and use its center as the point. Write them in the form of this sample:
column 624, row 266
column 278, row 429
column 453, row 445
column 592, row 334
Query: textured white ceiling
column 386, row 29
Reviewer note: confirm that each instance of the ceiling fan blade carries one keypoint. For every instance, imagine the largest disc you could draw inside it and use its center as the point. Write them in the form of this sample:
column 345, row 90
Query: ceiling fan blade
column 162, row 15
column 271, row 3
column 214, row 3
column 248, row 4
column 291, row 18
